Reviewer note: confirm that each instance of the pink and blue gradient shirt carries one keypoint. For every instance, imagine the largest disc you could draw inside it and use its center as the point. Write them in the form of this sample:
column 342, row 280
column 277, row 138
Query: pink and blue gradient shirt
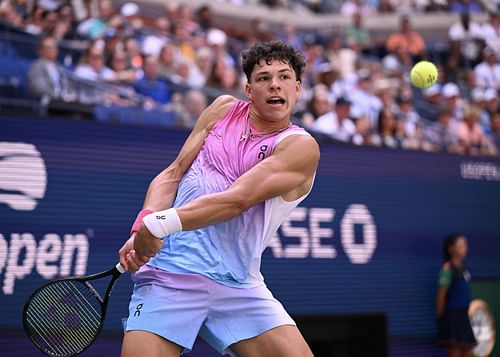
column 229, row 252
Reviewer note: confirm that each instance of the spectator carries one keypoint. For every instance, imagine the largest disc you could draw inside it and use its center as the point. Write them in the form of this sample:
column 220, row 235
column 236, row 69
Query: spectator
column 169, row 56
column 386, row 131
column 34, row 23
column 337, row 123
column 466, row 37
column 441, row 135
column 495, row 130
column 194, row 103
column 453, row 299
column 428, row 107
column 46, row 76
column 96, row 27
column 491, row 32
column 356, row 35
column 124, row 74
column 406, row 40
column 341, row 58
column 487, row 73
column 363, row 130
column 318, row 105
column 451, row 97
column 93, row 68
column 491, row 101
column 150, row 86
column 471, row 135
column 408, row 117
column 363, row 100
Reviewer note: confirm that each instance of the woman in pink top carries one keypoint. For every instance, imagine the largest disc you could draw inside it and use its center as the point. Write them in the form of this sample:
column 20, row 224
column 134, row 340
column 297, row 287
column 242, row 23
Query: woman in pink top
column 470, row 134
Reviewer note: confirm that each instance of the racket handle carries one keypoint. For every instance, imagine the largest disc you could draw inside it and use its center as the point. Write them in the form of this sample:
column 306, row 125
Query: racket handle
column 120, row 268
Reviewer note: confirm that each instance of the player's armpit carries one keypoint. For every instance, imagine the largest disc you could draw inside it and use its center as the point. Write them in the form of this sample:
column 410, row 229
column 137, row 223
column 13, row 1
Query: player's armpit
column 162, row 189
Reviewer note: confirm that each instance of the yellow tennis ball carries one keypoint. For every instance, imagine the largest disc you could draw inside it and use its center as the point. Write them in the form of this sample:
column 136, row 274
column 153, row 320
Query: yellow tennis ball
column 424, row 74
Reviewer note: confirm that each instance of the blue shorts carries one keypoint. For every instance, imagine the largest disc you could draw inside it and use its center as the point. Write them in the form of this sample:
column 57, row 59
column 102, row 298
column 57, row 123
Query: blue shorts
column 178, row 307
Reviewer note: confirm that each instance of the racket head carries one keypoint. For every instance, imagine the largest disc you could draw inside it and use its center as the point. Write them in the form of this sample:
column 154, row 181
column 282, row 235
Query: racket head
column 64, row 317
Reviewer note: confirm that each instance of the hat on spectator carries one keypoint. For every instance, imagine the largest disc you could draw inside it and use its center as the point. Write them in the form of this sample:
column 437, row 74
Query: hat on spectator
column 433, row 90
column 450, row 90
column 342, row 101
column 477, row 94
column 130, row 9
column 216, row 37
column 490, row 94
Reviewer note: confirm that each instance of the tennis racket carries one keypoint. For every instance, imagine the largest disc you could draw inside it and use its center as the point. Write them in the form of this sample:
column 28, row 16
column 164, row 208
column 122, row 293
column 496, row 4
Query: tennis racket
column 65, row 316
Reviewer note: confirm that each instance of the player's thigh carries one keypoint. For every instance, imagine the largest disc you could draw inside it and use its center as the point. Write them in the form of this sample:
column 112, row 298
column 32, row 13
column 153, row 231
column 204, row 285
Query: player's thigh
column 282, row 341
column 143, row 343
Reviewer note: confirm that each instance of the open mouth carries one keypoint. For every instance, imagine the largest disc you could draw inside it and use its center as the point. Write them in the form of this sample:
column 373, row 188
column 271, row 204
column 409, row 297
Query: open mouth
column 276, row 100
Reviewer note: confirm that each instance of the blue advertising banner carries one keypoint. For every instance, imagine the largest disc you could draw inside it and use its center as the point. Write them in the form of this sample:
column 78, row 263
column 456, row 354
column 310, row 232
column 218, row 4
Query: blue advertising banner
column 367, row 240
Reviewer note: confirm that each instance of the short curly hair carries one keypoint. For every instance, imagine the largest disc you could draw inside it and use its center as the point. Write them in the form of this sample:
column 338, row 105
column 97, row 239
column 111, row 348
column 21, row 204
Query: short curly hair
column 273, row 51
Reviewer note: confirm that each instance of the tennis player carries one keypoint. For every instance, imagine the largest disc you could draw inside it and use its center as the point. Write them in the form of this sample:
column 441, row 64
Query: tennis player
column 208, row 217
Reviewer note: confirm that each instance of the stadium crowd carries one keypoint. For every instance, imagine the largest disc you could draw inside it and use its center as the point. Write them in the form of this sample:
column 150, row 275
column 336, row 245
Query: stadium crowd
column 355, row 89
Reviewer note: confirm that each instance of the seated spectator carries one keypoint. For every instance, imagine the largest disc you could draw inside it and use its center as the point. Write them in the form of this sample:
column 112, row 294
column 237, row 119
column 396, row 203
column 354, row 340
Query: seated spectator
column 96, row 27
column 386, row 131
column 471, row 135
column 452, row 100
column 363, row 99
column 337, row 123
column 363, row 130
column 124, row 74
column 495, row 130
column 93, row 68
column 45, row 76
column 491, row 101
column 408, row 117
column 194, row 104
column 491, row 32
column 487, row 73
column 356, row 35
column 441, row 135
column 428, row 107
column 342, row 59
column 150, row 85
column 318, row 105
column 406, row 40
column 466, row 37
column 169, row 56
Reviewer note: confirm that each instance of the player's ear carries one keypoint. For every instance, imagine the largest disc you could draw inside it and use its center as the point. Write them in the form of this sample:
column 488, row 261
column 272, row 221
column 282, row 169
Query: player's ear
column 248, row 90
column 298, row 87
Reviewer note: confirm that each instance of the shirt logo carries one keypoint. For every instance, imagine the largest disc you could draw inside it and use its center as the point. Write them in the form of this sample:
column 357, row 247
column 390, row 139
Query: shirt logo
column 262, row 152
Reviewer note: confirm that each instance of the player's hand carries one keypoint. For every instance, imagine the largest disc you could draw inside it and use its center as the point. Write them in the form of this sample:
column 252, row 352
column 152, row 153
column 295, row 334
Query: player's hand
column 146, row 244
column 129, row 259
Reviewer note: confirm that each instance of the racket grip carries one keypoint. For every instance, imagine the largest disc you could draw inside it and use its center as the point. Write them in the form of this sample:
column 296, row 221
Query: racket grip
column 120, row 268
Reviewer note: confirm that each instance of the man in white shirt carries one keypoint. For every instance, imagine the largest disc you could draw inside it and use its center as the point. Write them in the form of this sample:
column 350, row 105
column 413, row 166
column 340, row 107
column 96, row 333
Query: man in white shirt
column 487, row 73
column 337, row 123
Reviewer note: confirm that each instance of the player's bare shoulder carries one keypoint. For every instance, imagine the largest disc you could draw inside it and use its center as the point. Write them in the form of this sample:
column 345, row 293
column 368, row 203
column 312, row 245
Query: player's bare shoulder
column 216, row 111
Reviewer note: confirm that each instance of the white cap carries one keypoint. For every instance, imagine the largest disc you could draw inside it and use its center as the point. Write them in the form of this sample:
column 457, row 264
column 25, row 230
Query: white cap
column 477, row 94
column 216, row 37
column 450, row 90
column 130, row 9
column 490, row 94
column 433, row 90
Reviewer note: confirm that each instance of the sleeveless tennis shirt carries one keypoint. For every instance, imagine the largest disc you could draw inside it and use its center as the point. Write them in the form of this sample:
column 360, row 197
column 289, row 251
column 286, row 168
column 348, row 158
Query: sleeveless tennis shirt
column 229, row 252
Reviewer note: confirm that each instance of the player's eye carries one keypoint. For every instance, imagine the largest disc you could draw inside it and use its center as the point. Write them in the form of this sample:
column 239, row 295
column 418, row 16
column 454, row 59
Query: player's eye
column 285, row 76
column 263, row 78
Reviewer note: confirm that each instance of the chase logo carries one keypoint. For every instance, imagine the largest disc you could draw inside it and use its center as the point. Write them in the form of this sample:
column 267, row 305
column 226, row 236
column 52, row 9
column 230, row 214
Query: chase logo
column 23, row 176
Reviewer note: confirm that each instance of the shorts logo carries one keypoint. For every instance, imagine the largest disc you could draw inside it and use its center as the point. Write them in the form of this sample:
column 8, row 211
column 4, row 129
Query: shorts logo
column 24, row 176
column 137, row 312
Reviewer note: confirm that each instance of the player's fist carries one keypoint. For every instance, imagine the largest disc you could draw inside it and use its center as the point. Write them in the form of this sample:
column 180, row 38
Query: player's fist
column 145, row 244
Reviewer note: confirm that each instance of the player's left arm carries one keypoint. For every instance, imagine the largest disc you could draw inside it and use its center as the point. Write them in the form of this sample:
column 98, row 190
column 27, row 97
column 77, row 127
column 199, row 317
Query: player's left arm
column 288, row 172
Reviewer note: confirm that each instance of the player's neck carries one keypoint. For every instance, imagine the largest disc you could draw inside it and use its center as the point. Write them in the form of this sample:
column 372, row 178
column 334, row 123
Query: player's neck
column 262, row 126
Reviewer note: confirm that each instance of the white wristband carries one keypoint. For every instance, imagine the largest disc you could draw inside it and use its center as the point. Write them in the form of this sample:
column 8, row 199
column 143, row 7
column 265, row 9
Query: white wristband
column 163, row 223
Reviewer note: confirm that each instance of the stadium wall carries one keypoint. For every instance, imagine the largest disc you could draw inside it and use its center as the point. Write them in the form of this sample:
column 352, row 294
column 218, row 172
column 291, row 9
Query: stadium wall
column 366, row 241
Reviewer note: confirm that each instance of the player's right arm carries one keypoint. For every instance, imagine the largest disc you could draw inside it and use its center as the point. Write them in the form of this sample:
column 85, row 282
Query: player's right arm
column 163, row 188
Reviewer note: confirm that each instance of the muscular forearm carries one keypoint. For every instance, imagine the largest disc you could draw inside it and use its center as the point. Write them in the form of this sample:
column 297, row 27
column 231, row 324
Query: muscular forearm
column 162, row 190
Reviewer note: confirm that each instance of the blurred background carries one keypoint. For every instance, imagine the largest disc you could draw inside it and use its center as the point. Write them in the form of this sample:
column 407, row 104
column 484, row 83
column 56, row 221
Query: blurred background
column 97, row 96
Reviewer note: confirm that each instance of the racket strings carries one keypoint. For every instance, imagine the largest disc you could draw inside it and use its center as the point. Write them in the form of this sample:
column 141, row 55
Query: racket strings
column 63, row 318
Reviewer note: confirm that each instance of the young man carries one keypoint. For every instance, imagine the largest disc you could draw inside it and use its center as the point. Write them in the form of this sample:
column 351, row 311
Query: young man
column 241, row 172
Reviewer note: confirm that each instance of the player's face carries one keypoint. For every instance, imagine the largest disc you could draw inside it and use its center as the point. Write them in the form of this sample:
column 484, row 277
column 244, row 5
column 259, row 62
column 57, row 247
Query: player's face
column 273, row 90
